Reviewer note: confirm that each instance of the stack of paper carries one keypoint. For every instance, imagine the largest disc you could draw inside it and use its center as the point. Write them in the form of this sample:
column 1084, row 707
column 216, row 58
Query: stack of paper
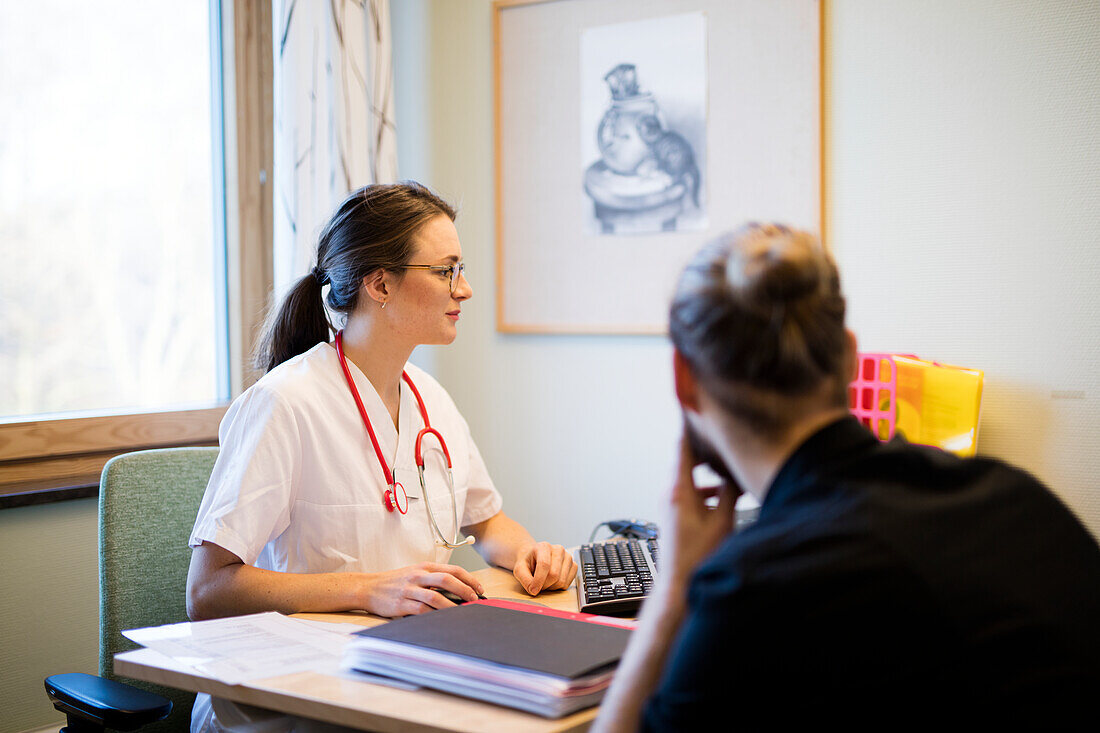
column 538, row 660
column 241, row 648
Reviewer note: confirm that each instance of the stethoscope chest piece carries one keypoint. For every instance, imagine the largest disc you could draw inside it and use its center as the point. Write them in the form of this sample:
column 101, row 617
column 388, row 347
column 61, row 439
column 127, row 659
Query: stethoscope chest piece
column 396, row 498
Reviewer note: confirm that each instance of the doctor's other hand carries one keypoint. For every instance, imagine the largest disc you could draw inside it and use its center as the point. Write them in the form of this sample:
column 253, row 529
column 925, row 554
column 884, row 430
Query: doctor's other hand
column 543, row 566
column 415, row 589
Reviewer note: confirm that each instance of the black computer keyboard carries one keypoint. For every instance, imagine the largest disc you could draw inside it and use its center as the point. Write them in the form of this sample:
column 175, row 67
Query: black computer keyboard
column 615, row 576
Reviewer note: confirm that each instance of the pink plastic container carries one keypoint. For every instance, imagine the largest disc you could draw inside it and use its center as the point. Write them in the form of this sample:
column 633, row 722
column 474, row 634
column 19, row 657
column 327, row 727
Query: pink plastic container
column 872, row 395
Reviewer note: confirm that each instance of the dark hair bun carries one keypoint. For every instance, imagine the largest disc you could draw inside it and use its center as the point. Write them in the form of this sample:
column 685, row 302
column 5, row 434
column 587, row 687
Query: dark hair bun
column 772, row 265
column 761, row 307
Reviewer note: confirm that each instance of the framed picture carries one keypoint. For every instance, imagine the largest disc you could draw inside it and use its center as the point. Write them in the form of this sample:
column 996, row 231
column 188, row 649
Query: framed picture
column 629, row 133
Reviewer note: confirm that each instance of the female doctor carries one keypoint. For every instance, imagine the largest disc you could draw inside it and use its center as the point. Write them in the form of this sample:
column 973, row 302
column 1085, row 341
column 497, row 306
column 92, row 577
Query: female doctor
column 331, row 492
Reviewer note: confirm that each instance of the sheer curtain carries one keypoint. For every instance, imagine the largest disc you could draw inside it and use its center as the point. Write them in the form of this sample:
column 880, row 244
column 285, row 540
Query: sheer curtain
column 333, row 108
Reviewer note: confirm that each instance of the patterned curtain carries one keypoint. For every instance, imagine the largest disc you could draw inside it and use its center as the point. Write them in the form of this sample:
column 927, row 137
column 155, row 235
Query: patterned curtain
column 333, row 107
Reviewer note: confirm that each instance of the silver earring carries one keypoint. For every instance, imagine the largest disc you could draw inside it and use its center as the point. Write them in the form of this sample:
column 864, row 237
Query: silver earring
column 383, row 305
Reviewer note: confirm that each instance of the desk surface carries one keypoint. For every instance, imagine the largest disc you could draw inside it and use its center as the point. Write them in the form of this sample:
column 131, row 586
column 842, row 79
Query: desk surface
column 356, row 703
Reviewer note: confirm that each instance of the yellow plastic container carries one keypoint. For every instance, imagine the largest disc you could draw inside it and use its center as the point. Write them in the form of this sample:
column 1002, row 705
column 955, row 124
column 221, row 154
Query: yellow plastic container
column 927, row 402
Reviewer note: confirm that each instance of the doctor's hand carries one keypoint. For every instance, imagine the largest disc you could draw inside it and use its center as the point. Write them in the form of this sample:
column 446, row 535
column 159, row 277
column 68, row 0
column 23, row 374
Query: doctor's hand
column 415, row 589
column 543, row 566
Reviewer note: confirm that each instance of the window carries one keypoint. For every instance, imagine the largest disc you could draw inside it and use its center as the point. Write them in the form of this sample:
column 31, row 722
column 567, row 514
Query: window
column 125, row 310
column 112, row 246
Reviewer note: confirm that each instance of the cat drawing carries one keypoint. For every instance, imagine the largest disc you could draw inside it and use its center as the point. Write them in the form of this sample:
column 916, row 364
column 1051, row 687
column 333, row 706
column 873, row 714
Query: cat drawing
column 672, row 153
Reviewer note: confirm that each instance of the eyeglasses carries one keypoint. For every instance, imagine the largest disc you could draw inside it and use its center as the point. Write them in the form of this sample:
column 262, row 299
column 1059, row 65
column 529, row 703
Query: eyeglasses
column 453, row 272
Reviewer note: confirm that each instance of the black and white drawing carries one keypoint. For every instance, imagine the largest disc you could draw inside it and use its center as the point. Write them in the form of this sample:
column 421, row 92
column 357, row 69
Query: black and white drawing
column 643, row 125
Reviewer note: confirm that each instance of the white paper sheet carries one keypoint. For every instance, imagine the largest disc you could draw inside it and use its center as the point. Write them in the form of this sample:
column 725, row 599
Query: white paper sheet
column 241, row 648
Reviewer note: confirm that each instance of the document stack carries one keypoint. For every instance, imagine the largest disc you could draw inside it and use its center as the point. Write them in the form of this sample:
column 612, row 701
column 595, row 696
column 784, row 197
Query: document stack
column 531, row 658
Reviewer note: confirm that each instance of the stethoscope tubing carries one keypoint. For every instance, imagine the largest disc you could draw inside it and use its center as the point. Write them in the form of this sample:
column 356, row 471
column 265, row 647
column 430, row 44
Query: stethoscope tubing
column 390, row 496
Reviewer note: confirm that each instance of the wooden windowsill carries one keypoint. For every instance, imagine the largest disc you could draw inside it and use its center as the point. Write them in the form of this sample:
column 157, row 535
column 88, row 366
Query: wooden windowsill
column 49, row 460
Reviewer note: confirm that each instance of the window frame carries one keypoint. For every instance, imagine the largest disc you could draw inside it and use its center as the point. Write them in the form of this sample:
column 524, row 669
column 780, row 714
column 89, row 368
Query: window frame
column 44, row 460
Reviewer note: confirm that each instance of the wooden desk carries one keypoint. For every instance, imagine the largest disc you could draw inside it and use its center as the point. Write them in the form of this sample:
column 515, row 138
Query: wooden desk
column 356, row 703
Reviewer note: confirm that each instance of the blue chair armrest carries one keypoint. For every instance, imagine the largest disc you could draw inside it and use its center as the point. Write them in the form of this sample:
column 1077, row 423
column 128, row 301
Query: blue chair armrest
column 105, row 702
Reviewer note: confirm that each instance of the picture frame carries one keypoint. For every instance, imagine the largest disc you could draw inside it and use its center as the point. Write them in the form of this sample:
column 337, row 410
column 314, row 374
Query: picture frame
column 563, row 265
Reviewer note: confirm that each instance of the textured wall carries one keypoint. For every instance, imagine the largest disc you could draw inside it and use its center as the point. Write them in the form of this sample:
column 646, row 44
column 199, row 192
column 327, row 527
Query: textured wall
column 574, row 429
column 965, row 209
column 49, row 605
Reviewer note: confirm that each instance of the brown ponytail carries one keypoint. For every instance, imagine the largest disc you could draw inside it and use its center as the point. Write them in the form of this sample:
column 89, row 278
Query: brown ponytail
column 759, row 315
column 372, row 229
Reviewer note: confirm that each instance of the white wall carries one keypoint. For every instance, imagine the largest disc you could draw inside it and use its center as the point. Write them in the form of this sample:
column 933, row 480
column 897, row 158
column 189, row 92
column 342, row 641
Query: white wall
column 964, row 197
column 964, row 209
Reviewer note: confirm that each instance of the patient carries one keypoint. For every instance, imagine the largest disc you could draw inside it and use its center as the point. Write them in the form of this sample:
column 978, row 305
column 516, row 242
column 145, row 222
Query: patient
column 885, row 585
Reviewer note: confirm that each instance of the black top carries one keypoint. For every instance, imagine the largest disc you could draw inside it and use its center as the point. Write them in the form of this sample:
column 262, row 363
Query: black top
column 892, row 586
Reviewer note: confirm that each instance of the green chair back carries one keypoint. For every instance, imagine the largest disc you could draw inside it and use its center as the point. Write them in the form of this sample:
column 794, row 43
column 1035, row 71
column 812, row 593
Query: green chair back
column 147, row 506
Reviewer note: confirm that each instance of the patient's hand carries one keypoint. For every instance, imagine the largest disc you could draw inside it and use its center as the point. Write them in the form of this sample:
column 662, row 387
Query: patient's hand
column 697, row 528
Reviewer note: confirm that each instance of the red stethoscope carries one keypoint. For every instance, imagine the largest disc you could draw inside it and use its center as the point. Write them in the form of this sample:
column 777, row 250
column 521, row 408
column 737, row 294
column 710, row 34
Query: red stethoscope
column 395, row 497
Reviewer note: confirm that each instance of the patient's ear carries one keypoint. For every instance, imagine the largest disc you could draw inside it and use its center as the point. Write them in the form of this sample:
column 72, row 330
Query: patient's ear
column 851, row 352
column 687, row 386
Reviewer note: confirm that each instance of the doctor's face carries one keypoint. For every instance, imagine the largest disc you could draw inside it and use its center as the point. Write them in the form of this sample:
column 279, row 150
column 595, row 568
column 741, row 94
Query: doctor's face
column 429, row 310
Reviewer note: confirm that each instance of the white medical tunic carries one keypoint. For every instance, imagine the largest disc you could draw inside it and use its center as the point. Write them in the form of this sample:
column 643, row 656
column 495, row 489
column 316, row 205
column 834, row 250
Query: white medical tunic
column 298, row 488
